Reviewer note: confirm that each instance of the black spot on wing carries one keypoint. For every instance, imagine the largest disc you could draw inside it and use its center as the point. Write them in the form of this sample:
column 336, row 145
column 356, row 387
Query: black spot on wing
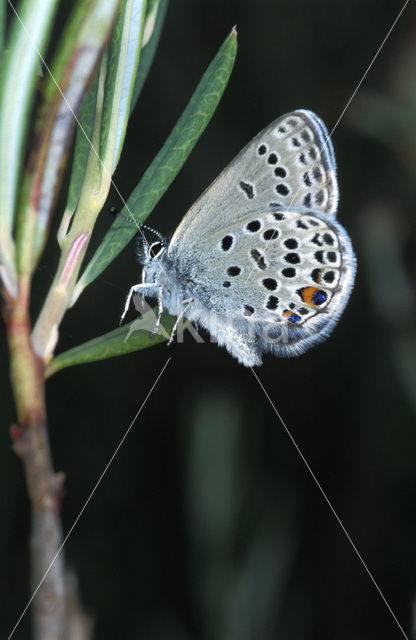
column 258, row 259
column 247, row 188
column 253, row 226
column 227, row 242
column 272, row 303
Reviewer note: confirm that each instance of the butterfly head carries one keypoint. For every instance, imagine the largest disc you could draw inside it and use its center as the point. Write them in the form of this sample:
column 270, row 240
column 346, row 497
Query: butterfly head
column 148, row 252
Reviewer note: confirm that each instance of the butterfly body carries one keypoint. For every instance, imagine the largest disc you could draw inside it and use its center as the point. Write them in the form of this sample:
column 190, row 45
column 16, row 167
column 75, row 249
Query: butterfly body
column 260, row 260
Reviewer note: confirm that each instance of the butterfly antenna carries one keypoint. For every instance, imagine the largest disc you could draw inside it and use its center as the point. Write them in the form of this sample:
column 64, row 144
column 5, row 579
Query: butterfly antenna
column 123, row 216
column 159, row 235
column 129, row 218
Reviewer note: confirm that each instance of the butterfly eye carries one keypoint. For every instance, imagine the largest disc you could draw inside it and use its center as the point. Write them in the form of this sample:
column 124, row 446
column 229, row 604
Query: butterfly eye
column 155, row 249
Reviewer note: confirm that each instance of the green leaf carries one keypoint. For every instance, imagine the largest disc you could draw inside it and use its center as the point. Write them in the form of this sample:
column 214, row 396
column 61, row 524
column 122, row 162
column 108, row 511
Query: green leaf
column 82, row 146
column 104, row 111
column 79, row 52
column 168, row 161
column 2, row 25
column 155, row 17
column 88, row 112
column 126, row 339
column 85, row 27
column 123, row 59
column 29, row 35
column 21, row 66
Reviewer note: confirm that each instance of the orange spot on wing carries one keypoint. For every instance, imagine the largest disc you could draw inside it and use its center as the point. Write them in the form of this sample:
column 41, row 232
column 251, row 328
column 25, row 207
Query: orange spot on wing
column 307, row 294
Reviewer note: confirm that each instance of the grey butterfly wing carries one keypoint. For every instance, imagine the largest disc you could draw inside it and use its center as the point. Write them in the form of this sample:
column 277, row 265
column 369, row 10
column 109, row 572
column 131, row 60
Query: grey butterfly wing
column 260, row 255
column 291, row 162
column 283, row 299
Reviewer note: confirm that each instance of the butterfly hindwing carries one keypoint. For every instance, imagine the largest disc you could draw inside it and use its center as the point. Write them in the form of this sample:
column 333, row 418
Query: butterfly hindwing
column 286, row 271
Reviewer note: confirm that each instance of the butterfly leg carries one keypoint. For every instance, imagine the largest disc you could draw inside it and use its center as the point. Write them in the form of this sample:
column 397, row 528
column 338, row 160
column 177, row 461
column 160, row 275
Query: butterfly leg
column 186, row 302
column 159, row 310
column 141, row 289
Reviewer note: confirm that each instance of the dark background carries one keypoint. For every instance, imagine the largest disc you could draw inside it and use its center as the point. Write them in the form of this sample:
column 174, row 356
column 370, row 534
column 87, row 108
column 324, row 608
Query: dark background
column 208, row 525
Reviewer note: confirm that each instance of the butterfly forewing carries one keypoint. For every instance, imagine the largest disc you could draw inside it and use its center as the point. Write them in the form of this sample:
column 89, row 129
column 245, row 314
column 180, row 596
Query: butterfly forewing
column 290, row 163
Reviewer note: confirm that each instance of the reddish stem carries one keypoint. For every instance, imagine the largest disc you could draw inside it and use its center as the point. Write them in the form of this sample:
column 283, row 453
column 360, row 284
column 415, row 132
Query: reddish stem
column 30, row 443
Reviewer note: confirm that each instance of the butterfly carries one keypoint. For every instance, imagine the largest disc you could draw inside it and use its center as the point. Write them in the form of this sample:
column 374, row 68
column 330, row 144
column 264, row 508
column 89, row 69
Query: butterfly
column 260, row 260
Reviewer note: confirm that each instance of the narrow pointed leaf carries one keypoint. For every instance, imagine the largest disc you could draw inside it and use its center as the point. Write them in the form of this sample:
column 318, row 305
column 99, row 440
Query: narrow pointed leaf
column 123, row 59
column 168, row 161
column 105, row 110
column 88, row 110
column 74, row 66
column 2, row 25
column 29, row 35
column 155, row 18
column 126, row 339
column 82, row 146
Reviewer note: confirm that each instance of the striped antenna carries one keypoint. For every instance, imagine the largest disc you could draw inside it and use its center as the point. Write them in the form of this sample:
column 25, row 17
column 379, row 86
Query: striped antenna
column 130, row 219
column 159, row 235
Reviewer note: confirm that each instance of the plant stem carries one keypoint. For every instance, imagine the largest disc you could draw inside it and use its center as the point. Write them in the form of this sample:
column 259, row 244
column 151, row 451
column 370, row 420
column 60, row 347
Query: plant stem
column 30, row 443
